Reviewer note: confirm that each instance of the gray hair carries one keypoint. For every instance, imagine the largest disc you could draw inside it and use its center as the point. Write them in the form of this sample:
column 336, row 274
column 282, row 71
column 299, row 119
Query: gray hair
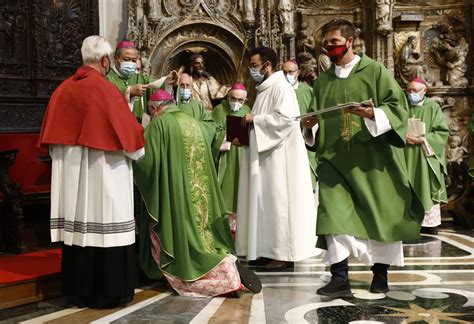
column 94, row 48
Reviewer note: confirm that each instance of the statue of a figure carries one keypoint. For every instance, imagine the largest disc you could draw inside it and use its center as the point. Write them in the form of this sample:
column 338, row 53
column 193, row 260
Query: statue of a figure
column 248, row 12
column 305, row 42
column 285, row 10
column 455, row 151
column 451, row 55
column 384, row 16
column 324, row 63
column 358, row 45
column 457, row 66
column 410, row 63
column 154, row 14
column 308, row 65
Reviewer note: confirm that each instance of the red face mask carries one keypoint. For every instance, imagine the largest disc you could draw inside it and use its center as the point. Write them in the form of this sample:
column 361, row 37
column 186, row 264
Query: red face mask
column 336, row 52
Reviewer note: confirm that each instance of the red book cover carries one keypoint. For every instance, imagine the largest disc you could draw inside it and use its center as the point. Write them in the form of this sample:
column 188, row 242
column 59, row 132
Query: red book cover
column 235, row 129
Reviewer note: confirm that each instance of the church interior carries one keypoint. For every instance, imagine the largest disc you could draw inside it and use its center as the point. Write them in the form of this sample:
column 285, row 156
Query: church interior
column 40, row 42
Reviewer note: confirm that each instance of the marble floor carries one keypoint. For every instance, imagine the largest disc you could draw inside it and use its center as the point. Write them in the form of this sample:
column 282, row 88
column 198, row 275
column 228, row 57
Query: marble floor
column 435, row 286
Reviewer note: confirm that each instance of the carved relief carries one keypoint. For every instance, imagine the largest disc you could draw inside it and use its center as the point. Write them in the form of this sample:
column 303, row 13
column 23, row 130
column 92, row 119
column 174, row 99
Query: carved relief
column 40, row 44
column 449, row 49
column 330, row 4
column 409, row 57
column 383, row 16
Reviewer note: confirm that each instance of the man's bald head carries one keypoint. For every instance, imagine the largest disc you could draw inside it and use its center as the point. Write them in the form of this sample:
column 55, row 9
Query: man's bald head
column 238, row 95
column 290, row 66
column 185, row 81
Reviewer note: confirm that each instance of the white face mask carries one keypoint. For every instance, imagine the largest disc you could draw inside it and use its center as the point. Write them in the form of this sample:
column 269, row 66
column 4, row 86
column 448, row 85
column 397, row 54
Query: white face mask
column 256, row 75
column 234, row 105
column 291, row 79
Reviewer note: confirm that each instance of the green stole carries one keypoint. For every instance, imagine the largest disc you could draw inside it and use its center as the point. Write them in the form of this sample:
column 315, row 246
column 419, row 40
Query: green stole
column 140, row 104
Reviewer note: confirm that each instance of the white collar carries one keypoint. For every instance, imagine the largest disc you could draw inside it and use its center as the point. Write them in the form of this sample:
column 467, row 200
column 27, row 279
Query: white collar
column 343, row 72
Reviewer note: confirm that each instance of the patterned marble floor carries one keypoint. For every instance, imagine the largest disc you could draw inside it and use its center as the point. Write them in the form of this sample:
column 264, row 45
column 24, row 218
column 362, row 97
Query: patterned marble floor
column 435, row 286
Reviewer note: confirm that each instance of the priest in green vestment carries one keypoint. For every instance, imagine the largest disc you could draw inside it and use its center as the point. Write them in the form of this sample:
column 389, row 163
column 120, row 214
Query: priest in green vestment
column 228, row 157
column 123, row 75
column 425, row 153
column 304, row 94
column 195, row 109
column 366, row 203
column 184, row 229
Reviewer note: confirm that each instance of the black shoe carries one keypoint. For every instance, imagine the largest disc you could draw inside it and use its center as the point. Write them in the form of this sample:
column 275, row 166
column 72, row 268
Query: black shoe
column 379, row 284
column 249, row 278
column 428, row 230
column 337, row 287
column 260, row 262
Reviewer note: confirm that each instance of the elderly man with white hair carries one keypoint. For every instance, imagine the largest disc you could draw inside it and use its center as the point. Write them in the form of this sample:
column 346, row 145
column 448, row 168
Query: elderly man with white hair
column 228, row 157
column 93, row 137
column 184, row 228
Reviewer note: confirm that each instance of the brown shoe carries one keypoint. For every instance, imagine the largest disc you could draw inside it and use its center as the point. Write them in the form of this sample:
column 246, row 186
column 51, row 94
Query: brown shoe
column 276, row 265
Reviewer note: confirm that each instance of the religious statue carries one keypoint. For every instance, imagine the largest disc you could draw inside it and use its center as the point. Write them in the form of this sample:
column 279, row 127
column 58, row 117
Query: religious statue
column 457, row 66
column 455, row 151
column 248, row 12
column 285, row 10
column 324, row 63
column 384, row 16
column 410, row 63
column 358, row 45
column 305, row 42
column 307, row 65
column 154, row 13
column 451, row 56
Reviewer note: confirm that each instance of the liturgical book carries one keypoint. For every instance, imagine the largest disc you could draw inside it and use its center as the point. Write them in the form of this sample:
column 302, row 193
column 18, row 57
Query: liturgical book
column 235, row 129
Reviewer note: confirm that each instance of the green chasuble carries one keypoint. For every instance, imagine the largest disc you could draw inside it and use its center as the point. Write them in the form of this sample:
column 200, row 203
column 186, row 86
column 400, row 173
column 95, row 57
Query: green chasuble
column 364, row 189
column 178, row 184
column 228, row 161
column 304, row 94
column 427, row 173
column 194, row 108
column 140, row 104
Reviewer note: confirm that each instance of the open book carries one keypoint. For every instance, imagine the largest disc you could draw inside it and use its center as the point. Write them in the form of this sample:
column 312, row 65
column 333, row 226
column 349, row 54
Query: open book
column 337, row 107
column 417, row 128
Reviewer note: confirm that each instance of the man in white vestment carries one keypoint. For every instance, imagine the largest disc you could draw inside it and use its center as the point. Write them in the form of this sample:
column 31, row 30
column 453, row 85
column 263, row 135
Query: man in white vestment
column 93, row 137
column 276, row 208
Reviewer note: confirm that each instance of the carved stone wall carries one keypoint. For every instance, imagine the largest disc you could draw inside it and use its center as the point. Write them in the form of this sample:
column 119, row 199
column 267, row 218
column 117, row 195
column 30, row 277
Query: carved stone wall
column 40, row 44
column 428, row 38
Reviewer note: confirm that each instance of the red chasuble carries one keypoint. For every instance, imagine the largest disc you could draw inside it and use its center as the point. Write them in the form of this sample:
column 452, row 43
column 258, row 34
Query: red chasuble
column 88, row 110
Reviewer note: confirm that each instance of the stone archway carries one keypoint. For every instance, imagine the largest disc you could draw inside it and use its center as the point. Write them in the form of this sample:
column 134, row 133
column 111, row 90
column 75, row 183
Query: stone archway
column 221, row 48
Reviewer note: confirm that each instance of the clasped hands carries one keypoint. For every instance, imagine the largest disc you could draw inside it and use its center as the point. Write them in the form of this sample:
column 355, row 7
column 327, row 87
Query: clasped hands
column 414, row 140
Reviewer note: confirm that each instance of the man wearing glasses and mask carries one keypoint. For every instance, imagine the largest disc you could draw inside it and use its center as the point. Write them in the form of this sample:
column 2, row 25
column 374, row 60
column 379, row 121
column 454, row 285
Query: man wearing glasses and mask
column 276, row 211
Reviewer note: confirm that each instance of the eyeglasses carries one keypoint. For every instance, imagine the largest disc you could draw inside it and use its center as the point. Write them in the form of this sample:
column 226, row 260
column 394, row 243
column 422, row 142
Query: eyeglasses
column 242, row 100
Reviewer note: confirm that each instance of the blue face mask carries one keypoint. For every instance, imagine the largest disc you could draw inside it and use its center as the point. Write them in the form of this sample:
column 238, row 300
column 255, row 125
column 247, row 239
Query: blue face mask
column 415, row 97
column 256, row 75
column 291, row 79
column 127, row 69
column 185, row 94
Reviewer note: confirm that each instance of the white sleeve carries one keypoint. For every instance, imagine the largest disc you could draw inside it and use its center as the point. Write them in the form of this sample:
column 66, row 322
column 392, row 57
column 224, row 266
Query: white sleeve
column 379, row 125
column 135, row 156
column 309, row 135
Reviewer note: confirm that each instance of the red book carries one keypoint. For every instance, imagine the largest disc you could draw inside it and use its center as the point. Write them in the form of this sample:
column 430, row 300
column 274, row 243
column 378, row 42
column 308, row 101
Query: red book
column 235, row 129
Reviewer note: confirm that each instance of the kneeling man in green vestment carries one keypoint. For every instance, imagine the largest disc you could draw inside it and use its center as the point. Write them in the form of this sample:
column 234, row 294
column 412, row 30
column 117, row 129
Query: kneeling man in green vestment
column 184, row 229
column 425, row 153
column 366, row 203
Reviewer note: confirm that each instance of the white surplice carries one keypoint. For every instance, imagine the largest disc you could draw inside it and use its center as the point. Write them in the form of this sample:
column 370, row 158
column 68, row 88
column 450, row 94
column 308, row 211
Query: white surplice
column 92, row 196
column 276, row 213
